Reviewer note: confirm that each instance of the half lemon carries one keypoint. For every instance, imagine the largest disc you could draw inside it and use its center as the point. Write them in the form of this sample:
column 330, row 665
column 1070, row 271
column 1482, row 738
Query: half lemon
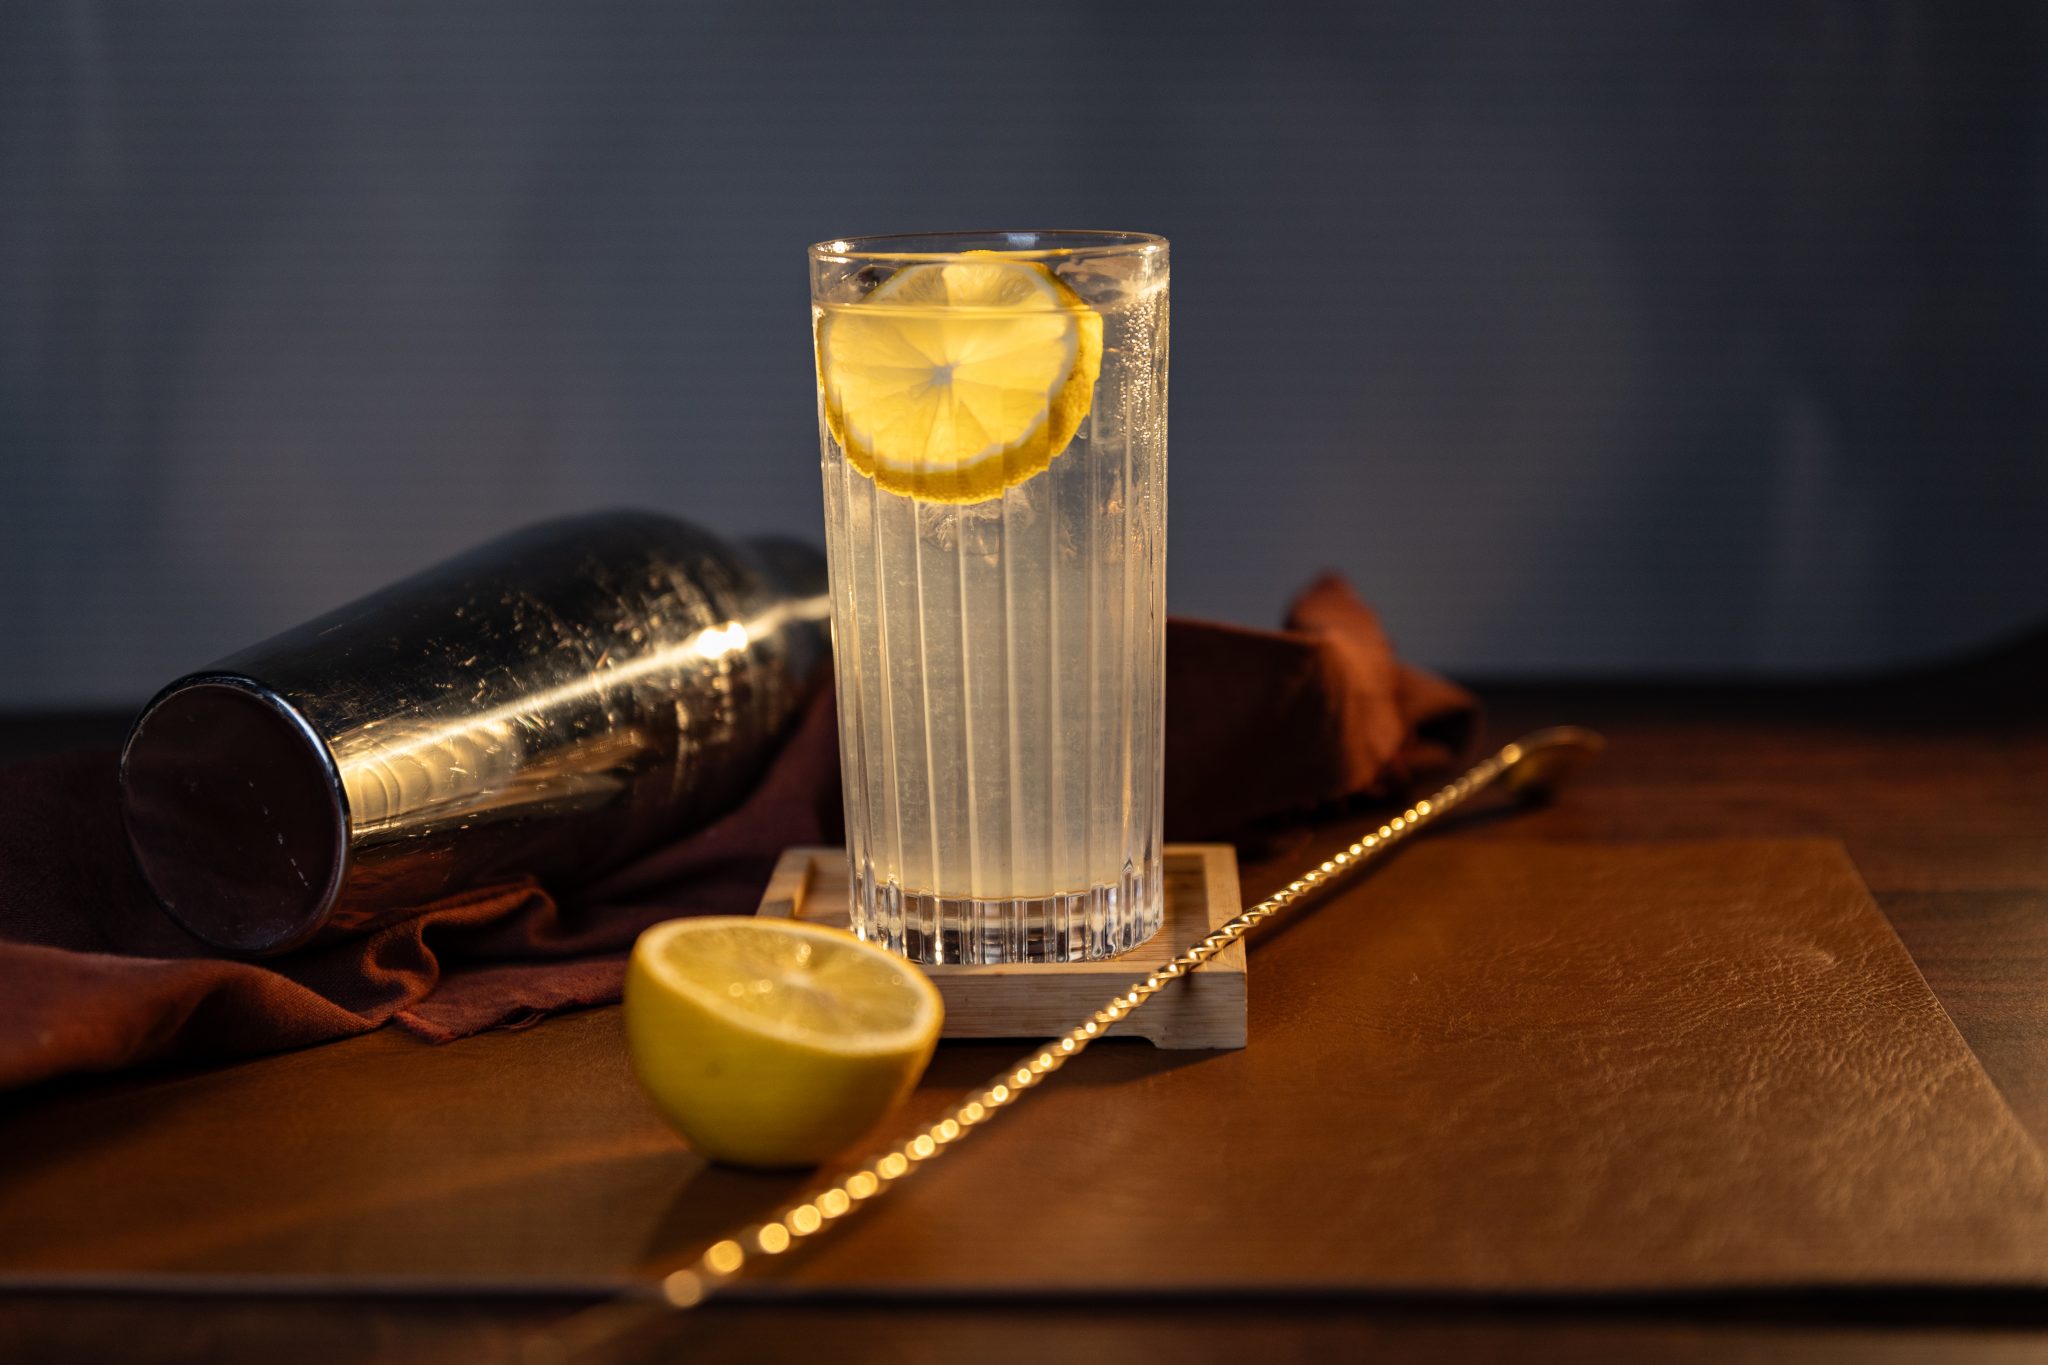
column 955, row 380
column 771, row 1042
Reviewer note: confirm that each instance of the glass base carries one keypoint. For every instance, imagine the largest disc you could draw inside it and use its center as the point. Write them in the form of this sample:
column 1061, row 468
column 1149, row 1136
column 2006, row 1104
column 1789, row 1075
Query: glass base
column 1077, row 926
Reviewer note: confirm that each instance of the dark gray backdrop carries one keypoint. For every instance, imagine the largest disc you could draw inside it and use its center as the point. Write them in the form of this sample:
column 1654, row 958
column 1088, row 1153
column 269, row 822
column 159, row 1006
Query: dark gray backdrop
column 1608, row 336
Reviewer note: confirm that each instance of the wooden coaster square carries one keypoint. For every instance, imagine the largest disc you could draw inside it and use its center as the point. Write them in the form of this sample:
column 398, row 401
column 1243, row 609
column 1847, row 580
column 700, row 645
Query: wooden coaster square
column 1040, row 1000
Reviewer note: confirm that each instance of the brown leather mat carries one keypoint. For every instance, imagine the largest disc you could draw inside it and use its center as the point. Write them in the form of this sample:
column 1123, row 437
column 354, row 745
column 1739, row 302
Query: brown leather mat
column 1492, row 1065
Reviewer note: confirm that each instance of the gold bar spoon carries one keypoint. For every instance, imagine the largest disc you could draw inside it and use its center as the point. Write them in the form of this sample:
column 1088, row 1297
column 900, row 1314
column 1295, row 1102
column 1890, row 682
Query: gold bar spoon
column 1529, row 769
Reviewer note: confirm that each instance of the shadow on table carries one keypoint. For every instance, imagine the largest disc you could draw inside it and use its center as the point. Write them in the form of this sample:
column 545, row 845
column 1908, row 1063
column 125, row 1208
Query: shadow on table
column 714, row 1200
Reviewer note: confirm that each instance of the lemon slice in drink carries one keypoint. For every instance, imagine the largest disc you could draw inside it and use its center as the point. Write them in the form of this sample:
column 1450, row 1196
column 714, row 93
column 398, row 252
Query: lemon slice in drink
column 770, row 1042
column 955, row 380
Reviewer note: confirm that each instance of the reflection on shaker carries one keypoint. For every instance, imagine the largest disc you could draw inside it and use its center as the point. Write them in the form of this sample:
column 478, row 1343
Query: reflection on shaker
column 545, row 705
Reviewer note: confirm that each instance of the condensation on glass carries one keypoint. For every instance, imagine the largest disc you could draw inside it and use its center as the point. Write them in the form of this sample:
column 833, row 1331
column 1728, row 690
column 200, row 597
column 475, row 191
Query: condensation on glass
column 1001, row 663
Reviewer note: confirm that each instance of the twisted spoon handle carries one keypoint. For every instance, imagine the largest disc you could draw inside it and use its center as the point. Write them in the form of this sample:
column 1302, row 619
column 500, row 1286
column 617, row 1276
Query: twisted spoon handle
column 1535, row 759
column 1531, row 765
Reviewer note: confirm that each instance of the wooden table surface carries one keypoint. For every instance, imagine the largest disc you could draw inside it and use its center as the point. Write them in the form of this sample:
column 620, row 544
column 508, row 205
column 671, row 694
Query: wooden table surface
column 1938, row 786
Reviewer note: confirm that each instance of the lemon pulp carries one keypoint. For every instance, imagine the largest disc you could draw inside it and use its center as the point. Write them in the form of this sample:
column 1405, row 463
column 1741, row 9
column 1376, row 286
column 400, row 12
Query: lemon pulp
column 955, row 380
column 774, row 1042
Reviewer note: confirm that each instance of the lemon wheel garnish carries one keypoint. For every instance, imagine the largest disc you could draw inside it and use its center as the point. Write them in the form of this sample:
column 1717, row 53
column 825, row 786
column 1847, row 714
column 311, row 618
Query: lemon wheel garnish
column 774, row 1042
column 953, row 381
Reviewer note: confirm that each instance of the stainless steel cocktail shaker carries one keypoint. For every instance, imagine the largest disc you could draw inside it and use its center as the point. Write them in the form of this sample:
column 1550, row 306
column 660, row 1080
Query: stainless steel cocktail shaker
column 549, row 703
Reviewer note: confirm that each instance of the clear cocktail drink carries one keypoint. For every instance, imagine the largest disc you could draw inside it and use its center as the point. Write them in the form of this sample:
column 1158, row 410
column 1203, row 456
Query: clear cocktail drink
column 993, row 429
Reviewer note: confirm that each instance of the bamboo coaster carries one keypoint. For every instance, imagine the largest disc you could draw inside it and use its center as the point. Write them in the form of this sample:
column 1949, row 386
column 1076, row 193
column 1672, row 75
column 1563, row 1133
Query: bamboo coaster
column 1037, row 1000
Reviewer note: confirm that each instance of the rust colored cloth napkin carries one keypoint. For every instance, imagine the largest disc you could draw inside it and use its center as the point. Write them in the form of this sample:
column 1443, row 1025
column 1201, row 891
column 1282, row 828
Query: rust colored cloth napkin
column 93, row 977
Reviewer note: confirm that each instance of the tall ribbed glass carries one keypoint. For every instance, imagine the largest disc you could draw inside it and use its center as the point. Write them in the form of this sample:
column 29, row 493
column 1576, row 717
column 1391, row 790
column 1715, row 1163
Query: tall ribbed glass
column 999, row 633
